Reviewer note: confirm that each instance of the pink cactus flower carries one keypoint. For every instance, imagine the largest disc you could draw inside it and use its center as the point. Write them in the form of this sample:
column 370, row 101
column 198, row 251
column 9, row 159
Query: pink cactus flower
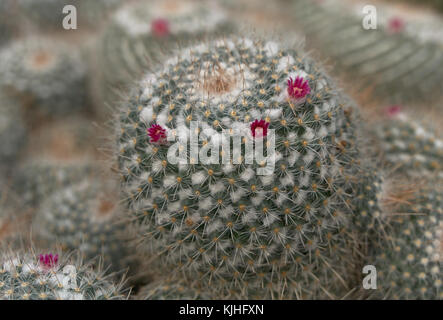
column 48, row 260
column 259, row 128
column 157, row 134
column 160, row 27
column 298, row 88
column 393, row 111
column 396, row 25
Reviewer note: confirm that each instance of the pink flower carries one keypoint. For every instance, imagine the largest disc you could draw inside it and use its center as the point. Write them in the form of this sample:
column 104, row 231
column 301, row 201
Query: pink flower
column 396, row 25
column 393, row 111
column 48, row 260
column 298, row 88
column 160, row 27
column 259, row 128
column 157, row 134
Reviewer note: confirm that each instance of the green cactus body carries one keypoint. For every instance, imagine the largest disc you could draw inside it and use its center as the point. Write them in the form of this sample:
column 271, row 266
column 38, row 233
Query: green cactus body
column 12, row 132
column 84, row 217
column 395, row 64
column 138, row 34
column 173, row 290
column 25, row 277
column 369, row 216
column 48, row 14
column 49, row 76
column 410, row 146
column 282, row 234
column 409, row 266
column 36, row 180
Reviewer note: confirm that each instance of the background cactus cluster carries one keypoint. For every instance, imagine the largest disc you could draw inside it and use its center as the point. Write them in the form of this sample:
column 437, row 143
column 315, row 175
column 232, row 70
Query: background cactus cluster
column 127, row 164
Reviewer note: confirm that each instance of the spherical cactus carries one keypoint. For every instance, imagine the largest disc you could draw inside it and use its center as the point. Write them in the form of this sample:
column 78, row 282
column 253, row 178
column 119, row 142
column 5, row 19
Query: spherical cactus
column 35, row 180
column 410, row 145
column 138, row 33
column 49, row 76
column 27, row 276
column 12, row 132
column 409, row 265
column 274, row 225
column 394, row 64
column 85, row 217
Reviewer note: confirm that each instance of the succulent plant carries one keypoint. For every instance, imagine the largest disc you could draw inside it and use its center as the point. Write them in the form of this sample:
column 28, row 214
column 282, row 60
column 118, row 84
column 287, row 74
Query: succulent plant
column 48, row 14
column 410, row 145
column 174, row 290
column 85, row 217
column 48, row 75
column 26, row 276
column 409, row 265
column 395, row 65
column 283, row 235
column 140, row 33
column 12, row 133
column 35, row 180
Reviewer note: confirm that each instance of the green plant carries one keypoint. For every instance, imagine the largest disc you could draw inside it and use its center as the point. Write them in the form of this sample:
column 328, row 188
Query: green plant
column 27, row 276
column 44, row 74
column 394, row 64
column 281, row 235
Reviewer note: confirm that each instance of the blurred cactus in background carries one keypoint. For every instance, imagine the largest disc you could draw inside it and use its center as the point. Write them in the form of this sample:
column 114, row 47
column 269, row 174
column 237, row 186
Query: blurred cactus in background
column 139, row 33
column 26, row 276
column 45, row 75
column 396, row 65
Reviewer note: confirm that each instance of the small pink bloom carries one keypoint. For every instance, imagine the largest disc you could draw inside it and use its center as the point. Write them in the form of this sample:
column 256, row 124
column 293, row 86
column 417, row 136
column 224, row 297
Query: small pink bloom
column 393, row 111
column 298, row 88
column 259, row 128
column 48, row 260
column 157, row 134
column 396, row 25
column 160, row 27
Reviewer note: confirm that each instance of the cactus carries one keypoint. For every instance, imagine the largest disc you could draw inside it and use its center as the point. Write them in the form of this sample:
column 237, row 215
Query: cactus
column 409, row 265
column 283, row 234
column 5, row 23
column 174, row 290
column 35, row 180
column 139, row 32
column 48, row 14
column 395, row 64
column 49, row 75
column 26, row 276
column 410, row 145
column 12, row 132
column 84, row 217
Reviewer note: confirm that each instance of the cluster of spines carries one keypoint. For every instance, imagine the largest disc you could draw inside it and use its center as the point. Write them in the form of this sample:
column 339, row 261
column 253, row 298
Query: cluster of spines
column 28, row 276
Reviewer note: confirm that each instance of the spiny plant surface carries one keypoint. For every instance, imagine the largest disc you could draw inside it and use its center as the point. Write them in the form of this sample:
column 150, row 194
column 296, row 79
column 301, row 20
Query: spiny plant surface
column 27, row 276
column 12, row 131
column 36, row 180
column 85, row 217
column 282, row 234
column 409, row 265
column 47, row 75
column 410, row 145
column 391, row 62
column 139, row 32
